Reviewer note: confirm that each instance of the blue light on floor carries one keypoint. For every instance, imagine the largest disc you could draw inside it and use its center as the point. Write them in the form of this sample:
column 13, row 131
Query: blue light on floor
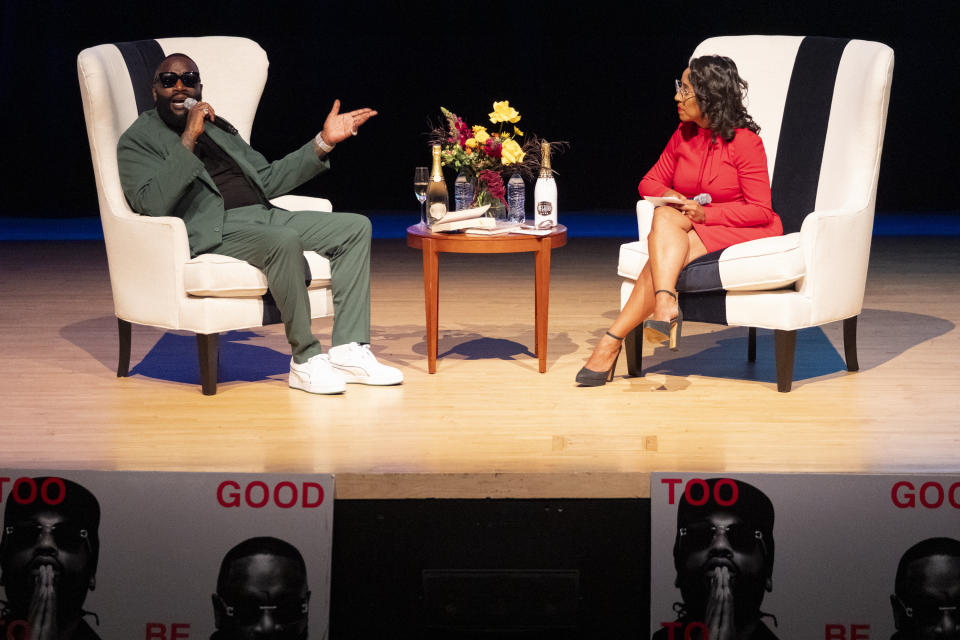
column 392, row 224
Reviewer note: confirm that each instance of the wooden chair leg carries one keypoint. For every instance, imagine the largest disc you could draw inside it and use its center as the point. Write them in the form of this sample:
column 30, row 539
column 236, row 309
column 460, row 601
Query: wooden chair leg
column 208, row 348
column 752, row 345
column 850, row 343
column 785, row 345
column 633, row 345
column 123, row 363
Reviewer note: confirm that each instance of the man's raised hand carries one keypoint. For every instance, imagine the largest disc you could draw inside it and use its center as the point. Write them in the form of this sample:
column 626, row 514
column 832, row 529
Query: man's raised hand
column 340, row 126
column 720, row 625
column 194, row 127
column 43, row 606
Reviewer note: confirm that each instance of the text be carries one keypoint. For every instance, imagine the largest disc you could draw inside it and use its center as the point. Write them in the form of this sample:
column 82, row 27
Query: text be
column 158, row 631
column 840, row 632
column 692, row 627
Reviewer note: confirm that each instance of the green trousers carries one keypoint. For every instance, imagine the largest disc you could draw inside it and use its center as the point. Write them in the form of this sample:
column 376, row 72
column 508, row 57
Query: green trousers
column 273, row 240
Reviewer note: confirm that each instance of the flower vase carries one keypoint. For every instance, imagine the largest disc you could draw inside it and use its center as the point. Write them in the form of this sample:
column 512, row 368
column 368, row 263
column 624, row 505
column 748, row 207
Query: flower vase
column 497, row 210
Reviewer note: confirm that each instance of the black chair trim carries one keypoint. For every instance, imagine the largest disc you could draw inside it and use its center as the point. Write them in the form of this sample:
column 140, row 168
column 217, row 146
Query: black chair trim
column 701, row 275
column 142, row 58
column 704, row 307
column 803, row 129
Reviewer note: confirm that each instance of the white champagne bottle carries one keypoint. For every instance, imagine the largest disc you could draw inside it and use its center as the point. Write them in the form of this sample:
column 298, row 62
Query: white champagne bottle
column 438, row 200
column 545, row 193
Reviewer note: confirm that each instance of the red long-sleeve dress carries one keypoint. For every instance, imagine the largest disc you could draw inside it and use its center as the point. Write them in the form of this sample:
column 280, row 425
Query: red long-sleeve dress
column 733, row 173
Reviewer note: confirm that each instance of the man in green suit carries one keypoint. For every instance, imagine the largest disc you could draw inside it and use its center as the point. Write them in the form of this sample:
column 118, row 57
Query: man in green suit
column 174, row 162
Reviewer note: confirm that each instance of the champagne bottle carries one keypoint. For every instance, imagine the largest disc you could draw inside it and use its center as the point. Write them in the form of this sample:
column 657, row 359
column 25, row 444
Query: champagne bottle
column 545, row 193
column 438, row 201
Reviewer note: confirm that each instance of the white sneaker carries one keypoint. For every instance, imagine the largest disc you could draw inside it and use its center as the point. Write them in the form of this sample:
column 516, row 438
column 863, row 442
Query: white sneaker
column 356, row 363
column 316, row 376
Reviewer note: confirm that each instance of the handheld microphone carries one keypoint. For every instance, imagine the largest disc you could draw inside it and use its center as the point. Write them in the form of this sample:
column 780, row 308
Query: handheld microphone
column 702, row 198
column 189, row 103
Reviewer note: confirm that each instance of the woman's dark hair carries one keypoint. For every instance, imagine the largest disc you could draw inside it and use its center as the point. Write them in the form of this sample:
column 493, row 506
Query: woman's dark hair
column 720, row 92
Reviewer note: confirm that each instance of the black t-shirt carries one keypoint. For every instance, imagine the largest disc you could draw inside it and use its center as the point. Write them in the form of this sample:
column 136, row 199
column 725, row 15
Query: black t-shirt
column 234, row 185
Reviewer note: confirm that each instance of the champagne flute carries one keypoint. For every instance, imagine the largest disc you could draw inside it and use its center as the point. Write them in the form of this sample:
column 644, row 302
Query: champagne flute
column 421, row 176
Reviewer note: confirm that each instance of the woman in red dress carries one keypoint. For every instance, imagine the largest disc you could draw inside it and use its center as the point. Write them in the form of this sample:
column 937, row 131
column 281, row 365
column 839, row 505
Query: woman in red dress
column 715, row 151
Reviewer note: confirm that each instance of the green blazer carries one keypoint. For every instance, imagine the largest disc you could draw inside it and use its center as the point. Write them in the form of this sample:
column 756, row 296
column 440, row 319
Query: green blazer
column 160, row 177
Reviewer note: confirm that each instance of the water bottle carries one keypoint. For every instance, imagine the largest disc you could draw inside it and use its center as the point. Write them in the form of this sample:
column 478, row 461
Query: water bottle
column 516, row 197
column 463, row 192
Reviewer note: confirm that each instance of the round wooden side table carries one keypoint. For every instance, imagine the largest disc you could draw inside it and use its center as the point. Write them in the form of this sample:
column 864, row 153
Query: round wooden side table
column 432, row 244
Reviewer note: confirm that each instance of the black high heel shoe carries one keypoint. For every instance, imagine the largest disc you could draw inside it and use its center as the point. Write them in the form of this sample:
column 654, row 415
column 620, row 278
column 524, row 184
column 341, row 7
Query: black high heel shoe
column 590, row 378
column 660, row 330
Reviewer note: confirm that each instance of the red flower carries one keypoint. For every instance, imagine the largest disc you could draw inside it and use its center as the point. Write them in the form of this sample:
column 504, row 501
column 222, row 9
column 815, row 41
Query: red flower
column 464, row 131
column 492, row 147
column 494, row 183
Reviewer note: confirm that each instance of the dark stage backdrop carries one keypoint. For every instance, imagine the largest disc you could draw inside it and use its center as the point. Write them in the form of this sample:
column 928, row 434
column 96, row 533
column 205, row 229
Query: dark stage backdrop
column 598, row 74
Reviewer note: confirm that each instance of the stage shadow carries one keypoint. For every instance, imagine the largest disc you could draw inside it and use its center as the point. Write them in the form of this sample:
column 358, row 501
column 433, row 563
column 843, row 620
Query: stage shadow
column 174, row 359
column 89, row 336
column 173, row 356
column 882, row 336
column 723, row 354
column 472, row 345
column 488, row 348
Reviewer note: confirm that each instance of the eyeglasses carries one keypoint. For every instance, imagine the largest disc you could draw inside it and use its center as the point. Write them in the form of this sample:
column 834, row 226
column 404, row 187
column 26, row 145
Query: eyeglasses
column 168, row 79
column 685, row 93
column 740, row 536
column 67, row 536
column 249, row 613
column 928, row 613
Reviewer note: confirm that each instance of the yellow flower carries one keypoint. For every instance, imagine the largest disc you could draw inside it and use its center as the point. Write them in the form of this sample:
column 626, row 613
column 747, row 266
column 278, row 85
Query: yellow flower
column 503, row 112
column 470, row 143
column 517, row 131
column 480, row 134
column 510, row 152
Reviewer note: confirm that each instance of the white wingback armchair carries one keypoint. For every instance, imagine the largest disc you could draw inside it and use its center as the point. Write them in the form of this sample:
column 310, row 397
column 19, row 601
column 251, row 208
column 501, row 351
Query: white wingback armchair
column 153, row 278
column 821, row 104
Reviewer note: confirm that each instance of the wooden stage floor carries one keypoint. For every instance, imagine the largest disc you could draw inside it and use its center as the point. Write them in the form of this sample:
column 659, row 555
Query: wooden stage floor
column 487, row 424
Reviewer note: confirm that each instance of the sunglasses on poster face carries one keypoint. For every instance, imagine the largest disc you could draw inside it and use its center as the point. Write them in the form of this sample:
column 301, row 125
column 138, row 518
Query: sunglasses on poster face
column 929, row 613
column 740, row 537
column 168, row 79
column 67, row 536
column 249, row 613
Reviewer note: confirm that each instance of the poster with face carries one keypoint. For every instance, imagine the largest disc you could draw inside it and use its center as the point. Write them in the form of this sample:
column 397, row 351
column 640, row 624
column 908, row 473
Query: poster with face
column 839, row 557
column 164, row 556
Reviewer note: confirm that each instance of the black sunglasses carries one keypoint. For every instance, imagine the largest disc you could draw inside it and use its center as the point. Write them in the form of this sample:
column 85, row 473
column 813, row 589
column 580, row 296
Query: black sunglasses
column 287, row 611
column 168, row 79
column 741, row 537
column 66, row 535
column 927, row 612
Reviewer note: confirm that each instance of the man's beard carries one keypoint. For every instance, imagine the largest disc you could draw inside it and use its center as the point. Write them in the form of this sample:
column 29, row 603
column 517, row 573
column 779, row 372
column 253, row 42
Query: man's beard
column 286, row 634
column 176, row 122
